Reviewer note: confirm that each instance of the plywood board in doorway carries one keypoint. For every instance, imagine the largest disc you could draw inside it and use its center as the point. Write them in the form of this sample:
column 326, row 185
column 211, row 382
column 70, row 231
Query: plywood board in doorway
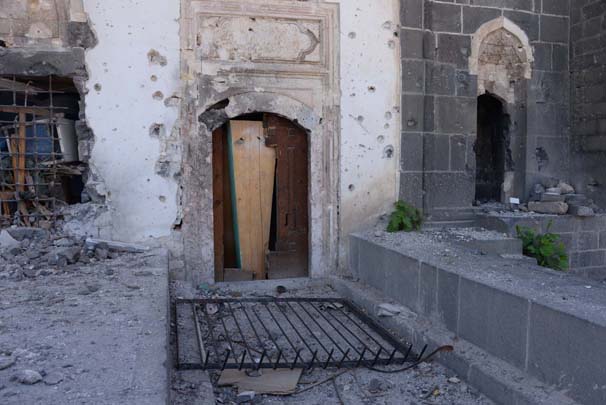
column 254, row 169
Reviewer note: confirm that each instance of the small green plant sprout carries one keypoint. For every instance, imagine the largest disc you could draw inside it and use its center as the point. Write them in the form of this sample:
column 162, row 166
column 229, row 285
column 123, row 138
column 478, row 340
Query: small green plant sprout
column 405, row 218
column 547, row 248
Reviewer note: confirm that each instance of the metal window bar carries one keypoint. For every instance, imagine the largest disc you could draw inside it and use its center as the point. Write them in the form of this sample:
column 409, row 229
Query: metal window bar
column 253, row 333
column 28, row 152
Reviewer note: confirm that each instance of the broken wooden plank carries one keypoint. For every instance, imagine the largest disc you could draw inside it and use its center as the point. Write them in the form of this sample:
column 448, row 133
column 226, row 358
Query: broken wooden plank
column 254, row 166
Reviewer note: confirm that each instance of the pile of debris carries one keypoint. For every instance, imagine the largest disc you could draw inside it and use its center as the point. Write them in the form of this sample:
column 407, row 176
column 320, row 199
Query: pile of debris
column 31, row 252
column 553, row 196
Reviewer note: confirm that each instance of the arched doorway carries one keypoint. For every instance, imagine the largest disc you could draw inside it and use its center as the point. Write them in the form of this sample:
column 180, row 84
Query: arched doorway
column 491, row 148
column 260, row 198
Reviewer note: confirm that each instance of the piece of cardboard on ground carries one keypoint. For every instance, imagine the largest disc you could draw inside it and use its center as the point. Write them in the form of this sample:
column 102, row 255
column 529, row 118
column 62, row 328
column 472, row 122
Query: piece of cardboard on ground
column 281, row 381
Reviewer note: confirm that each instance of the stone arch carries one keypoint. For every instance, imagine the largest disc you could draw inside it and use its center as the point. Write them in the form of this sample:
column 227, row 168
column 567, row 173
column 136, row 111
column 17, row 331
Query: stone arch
column 198, row 230
column 488, row 28
column 245, row 103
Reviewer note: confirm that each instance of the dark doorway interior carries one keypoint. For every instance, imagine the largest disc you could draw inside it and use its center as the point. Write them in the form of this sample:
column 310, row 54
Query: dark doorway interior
column 260, row 188
column 490, row 148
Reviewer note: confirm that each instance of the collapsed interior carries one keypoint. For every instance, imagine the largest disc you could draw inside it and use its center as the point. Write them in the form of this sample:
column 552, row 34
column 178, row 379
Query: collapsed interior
column 260, row 192
column 39, row 162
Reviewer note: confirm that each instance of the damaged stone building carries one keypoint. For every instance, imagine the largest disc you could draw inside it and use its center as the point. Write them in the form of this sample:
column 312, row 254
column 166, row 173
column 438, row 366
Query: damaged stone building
column 406, row 109
column 253, row 138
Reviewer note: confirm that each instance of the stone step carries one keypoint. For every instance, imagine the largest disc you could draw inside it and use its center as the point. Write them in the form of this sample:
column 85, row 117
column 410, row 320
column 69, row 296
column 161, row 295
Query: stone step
column 549, row 325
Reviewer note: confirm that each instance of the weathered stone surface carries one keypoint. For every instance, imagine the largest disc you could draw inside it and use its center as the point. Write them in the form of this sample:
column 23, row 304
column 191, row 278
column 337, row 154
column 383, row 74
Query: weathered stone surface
column 28, row 377
column 557, row 207
column 581, row 211
column 7, row 241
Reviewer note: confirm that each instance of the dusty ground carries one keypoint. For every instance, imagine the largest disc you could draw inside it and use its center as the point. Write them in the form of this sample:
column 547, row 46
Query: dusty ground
column 83, row 333
column 429, row 383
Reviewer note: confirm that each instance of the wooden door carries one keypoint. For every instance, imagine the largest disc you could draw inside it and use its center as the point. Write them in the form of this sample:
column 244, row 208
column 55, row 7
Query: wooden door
column 291, row 210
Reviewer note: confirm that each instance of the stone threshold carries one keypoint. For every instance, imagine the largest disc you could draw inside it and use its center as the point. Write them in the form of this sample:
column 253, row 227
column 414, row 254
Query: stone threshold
column 543, row 324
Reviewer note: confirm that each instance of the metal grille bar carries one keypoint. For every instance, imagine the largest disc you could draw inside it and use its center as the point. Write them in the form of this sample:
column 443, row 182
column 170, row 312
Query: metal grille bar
column 253, row 333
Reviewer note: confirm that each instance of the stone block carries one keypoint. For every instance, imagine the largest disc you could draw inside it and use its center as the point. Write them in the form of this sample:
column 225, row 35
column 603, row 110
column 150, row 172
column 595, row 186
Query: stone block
column 411, row 154
column 593, row 224
column 603, row 240
column 542, row 55
column 560, row 58
column 412, row 44
column 413, row 112
column 429, row 113
column 551, row 197
column 587, row 241
column 413, row 76
column 557, row 7
column 411, row 188
column 466, row 84
column 443, row 17
column 554, row 29
column 448, row 299
column 411, row 13
column 456, row 115
column 511, row 4
column 528, row 22
column 429, row 45
column 449, row 190
column 587, row 259
column 428, row 289
column 436, row 149
column 458, row 153
column 402, row 278
column 558, row 208
column 454, row 49
column 474, row 17
column 568, row 352
column 371, row 264
column 440, row 79
column 494, row 320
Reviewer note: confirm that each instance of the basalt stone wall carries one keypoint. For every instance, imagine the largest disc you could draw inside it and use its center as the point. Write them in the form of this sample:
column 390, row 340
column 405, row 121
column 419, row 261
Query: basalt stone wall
column 439, row 98
column 588, row 97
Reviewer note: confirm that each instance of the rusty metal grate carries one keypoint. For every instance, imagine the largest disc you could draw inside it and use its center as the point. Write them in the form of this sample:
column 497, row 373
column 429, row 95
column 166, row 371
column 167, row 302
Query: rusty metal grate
column 290, row 333
column 30, row 149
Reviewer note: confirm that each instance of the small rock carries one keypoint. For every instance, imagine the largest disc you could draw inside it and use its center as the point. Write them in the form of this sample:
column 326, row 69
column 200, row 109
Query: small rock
column 245, row 396
column 565, row 188
column 553, row 190
column 92, row 287
column 6, row 362
column 132, row 286
column 375, row 386
column 53, row 378
column 28, row 377
column 454, row 380
column 581, row 211
column 281, row 289
column 101, row 254
column 388, row 310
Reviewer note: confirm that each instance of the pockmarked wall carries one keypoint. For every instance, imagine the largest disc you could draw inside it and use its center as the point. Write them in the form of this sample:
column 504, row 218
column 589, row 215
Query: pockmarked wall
column 439, row 102
column 136, row 94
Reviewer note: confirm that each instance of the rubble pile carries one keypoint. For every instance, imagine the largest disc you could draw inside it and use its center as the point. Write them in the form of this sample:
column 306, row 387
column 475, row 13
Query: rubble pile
column 553, row 196
column 32, row 252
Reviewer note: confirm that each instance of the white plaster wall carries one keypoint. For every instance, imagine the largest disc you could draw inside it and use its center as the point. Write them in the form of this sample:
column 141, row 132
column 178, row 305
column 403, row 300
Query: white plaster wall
column 143, row 205
column 370, row 120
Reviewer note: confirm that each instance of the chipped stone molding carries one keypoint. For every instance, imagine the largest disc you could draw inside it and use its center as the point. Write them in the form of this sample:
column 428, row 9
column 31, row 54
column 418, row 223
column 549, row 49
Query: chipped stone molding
column 488, row 28
column 76, row 11
column 271, row 56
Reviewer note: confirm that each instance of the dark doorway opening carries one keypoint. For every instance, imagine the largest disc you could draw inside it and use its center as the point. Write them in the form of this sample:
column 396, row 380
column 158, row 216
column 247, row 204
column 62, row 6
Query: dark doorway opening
column 490, row 148
column 261, row 201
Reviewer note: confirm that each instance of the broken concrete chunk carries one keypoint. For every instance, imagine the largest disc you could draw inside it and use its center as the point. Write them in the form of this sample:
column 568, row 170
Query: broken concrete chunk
column 550, row 197
column 21, row 233
column 7, row 241
column 92, row 244
column 554, row 190
column 6, row 362
column 555, row 207
column 245, row 396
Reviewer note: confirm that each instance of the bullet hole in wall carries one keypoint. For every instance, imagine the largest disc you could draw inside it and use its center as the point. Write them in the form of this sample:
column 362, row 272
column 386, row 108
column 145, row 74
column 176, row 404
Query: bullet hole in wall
column 352, row 35
column 153, row 78
column 380, row 138
column 156, row 130
column 388, row 115
column 372, row 89
column 97, row 87
column 158, row 95
column 351, row 187
column 155, row 58
column 388, row 152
